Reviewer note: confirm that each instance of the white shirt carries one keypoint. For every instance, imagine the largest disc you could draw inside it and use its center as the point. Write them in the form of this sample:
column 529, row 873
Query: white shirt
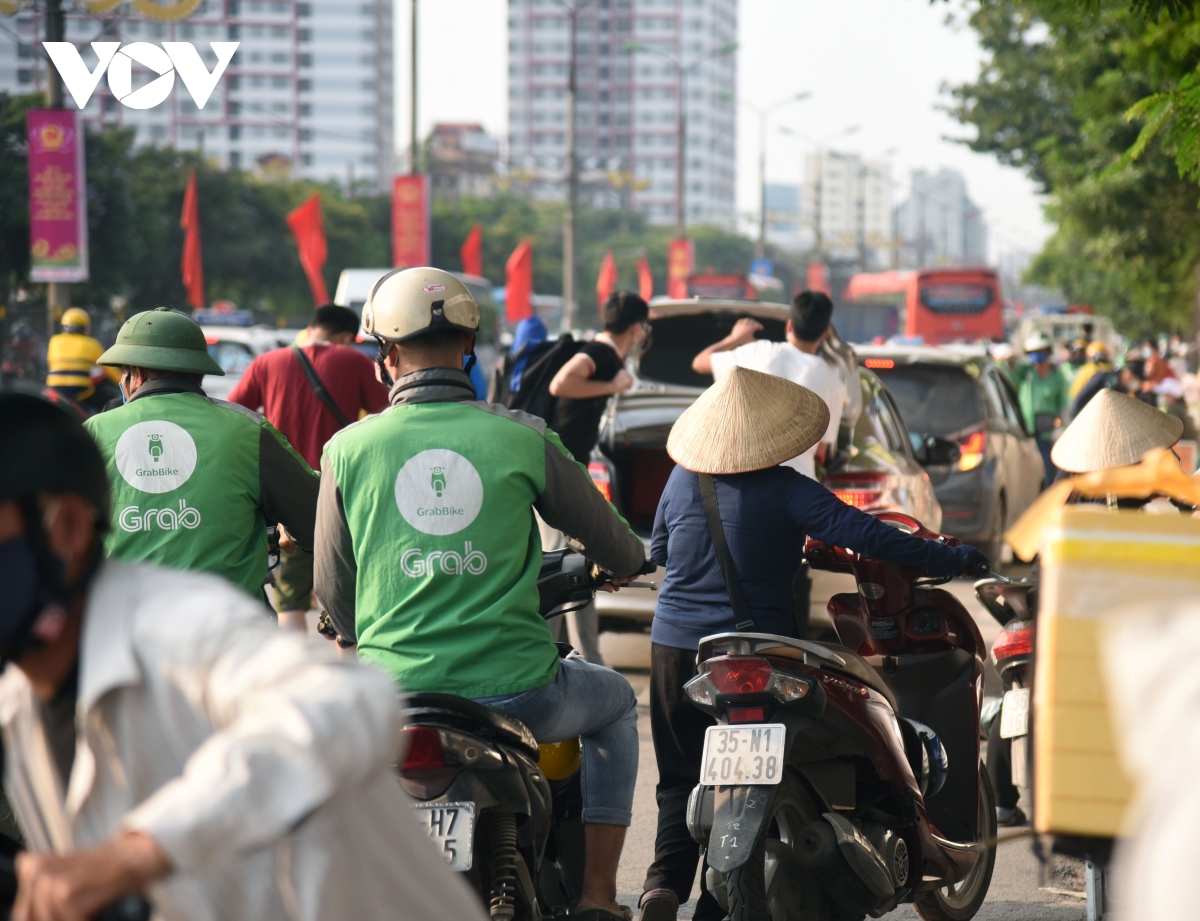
column 260, row 763
column 785, row 360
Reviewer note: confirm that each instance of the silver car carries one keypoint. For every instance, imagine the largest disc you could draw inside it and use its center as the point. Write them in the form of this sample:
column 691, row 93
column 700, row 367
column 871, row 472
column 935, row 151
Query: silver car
column 875, row 466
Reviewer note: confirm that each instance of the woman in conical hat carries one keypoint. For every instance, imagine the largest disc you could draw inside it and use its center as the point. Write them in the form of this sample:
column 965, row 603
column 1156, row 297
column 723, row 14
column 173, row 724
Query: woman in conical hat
column 734, row 437
column 1113, row 430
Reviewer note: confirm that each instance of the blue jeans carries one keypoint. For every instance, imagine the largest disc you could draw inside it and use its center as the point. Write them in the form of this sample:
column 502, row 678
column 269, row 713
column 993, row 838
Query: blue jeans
column 598, row 705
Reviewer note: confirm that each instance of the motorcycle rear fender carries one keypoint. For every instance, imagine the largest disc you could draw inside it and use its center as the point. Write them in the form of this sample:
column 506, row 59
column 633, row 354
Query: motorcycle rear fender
column 740, row 815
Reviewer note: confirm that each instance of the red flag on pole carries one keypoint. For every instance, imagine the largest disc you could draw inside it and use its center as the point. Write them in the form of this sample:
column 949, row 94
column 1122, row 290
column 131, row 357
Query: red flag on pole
column 306, row 227
column 608, row 279
column 645, row 279
column 189, row 265
column 518, row 288
column 471, row 251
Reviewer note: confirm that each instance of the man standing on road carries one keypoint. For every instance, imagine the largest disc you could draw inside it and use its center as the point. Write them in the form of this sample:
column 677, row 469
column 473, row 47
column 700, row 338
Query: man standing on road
column 161, row 737
column 310, row 392
column 427, row 557
column 798, row 360
column 195, row 480
column 583, row 387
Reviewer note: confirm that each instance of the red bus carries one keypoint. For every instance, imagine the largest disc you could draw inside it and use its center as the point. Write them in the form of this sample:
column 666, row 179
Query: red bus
column 936, row 305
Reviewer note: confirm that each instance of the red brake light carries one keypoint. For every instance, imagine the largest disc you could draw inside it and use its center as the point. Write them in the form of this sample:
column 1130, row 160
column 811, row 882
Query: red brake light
column 746, row 715
column 740, row 674
column 879, row 363
column 211, row 340
column 972, row 449
column 424, row 749
column 601, row 478
column 863, row 491
column 1012, row 643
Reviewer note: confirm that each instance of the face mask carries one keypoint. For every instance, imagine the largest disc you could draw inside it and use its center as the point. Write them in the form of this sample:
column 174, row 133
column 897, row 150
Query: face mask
column 1039, row 358
column 21, row 601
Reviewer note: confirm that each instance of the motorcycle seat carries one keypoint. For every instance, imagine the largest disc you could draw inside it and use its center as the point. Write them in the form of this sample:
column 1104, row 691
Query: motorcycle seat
column 466, row 715
column 860, row 669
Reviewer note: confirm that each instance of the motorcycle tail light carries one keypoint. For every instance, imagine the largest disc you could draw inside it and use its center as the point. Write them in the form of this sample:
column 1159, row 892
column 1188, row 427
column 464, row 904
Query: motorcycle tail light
column 1017, row 641
column 601, row 478
column 424, row 752
column 746, row 715
column 972, row 449
column 744, row 675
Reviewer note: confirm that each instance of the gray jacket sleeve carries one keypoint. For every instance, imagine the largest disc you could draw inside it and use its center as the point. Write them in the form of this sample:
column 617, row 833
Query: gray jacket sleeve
column 288, row 487
column 335, row 571
column 572, row 504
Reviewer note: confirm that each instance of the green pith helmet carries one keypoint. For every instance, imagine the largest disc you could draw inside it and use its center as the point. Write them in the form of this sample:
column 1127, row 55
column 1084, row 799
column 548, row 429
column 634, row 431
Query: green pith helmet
column 162, row 340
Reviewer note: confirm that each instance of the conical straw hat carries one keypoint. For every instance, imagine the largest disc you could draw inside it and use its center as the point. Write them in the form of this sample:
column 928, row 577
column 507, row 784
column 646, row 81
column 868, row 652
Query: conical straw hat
column 1113, row 430
column 747, row 421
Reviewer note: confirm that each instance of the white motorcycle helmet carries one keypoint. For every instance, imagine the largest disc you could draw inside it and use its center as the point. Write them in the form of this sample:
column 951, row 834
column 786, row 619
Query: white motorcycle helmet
column 1038, row 342
column 407, row 303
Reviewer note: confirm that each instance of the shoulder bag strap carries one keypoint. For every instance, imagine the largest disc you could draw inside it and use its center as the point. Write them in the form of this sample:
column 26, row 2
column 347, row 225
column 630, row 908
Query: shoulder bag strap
column 319, row 388
column 733, row 585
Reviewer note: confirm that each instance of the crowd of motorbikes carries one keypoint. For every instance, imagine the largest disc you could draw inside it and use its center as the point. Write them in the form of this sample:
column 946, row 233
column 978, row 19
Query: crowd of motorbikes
column 839, row 780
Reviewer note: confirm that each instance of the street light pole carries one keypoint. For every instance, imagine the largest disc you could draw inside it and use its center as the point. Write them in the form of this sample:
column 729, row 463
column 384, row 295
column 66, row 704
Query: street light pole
column 572, row 163
column 760, row 248
column 413, row 162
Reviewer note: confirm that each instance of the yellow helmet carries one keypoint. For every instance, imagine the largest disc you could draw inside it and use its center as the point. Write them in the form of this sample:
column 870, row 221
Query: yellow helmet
column 76, row 320
column 1097, row 349
column 407, row 303
column 560, row 760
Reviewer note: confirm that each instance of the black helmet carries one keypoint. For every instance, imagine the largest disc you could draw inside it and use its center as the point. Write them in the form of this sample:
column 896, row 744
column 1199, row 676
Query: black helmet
column 44, row 447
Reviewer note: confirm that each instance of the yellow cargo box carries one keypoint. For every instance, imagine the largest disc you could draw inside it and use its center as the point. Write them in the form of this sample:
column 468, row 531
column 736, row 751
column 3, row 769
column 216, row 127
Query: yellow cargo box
column 1096, row 564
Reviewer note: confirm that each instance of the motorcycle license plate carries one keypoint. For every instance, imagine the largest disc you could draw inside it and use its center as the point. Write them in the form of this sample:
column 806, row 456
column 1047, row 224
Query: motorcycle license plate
column 1014, row 713
column 451, row 826
column 743, row 755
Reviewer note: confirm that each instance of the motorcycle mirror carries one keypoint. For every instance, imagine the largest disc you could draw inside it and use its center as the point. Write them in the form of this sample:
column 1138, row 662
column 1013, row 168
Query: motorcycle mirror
column 938, row 452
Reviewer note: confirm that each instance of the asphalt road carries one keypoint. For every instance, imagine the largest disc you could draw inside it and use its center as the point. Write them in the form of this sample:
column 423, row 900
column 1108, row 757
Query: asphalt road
column 1018, row 891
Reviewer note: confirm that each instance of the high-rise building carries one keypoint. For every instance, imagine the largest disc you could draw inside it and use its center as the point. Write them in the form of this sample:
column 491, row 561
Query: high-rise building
column 939, row 224
column 310, row 84
column 848, row 207
column 462, row 161
column 629, row 59
column 785, row 227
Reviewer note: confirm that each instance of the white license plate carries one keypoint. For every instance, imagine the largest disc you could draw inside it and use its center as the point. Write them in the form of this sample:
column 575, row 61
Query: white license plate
column 451, row 826
column 743, row 755
column 1014, row 713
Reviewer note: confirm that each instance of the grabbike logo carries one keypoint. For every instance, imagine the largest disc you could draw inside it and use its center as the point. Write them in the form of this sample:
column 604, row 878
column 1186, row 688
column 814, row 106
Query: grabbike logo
column 172, row 58
column 133, row 519
column 439, row 492
column 471, row 562
column 155, row 456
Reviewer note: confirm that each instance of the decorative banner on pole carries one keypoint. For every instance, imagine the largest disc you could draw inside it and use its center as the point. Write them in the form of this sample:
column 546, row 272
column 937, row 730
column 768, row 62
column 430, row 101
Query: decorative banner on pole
column 518, row 288
column 607, row 281
column 645, row 279
column 58, row 244
column 471, row 252
column 306, row 227
column 679, row 267
column 190, row 266
column 410, row 221
column 818, row 278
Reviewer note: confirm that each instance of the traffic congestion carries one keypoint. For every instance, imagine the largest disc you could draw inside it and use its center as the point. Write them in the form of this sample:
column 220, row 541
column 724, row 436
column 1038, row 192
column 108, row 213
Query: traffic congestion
column 627, row 537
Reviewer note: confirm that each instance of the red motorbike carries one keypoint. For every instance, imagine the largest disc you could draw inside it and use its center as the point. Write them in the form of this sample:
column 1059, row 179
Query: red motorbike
column 843, row 780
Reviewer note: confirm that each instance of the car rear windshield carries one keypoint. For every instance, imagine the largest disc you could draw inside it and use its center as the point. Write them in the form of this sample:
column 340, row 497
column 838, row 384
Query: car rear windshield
column 675, row 341
column 935, row 400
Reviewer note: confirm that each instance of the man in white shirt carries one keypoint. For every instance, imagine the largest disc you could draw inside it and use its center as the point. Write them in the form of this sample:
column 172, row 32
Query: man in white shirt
column 796, row 359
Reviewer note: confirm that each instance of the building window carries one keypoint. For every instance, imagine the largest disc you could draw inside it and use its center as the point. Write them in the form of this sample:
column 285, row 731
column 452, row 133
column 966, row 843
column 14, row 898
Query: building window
column 235, row 159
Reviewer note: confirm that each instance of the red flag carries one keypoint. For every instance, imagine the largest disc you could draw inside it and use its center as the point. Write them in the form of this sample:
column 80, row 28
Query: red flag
column 818, row 277
column 680, row 256
column 607, row 281
column 645, row 279
column 471, row 251
column 189, row 266
column 518, row 287
column 306, row 227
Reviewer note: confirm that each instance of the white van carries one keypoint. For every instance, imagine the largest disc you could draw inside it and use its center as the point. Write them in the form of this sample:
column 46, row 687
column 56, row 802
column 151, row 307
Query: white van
column 1063, row 328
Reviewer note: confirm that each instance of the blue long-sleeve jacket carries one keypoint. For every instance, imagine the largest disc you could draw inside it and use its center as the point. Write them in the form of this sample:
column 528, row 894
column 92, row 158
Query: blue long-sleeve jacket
column 766, row 515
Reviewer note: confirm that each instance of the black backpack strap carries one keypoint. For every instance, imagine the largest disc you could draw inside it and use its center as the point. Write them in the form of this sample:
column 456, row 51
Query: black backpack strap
column 319, row 388
column 733, row 585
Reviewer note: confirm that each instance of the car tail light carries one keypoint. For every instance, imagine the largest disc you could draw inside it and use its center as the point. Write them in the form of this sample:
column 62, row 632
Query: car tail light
column 1013, row 642
column 865, row 491
column 973, row 448
column 601, row 478
column 744, row 675
column 880, row 364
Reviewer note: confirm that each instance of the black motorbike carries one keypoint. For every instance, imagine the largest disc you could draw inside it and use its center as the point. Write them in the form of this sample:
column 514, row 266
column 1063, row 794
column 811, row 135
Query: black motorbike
column 515, row 833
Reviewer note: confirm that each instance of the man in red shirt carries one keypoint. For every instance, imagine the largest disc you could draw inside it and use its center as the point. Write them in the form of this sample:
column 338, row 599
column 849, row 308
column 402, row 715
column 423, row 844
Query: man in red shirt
column 278, row 384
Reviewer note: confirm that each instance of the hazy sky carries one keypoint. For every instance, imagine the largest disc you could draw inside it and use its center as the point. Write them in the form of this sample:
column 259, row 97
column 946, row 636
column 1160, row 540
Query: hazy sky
column 879, row 64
